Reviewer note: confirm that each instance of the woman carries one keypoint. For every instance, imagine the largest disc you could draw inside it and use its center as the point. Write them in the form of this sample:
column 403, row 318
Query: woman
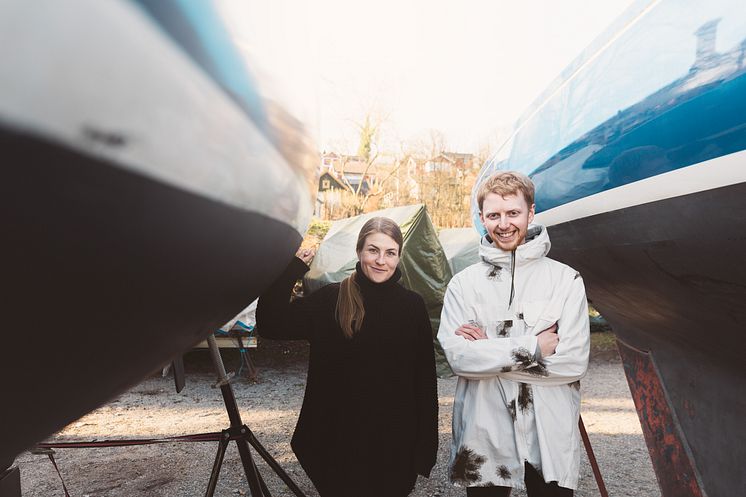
column 368, row 424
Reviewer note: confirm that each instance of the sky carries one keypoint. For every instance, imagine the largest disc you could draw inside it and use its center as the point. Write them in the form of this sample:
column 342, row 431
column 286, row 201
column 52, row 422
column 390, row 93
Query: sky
column 466, row 69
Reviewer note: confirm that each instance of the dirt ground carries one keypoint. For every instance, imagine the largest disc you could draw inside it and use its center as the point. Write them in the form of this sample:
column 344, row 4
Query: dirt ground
column 269, row 406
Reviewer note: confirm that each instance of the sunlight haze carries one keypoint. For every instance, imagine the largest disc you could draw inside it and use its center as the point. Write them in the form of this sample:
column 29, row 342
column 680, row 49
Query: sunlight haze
column 466, row 69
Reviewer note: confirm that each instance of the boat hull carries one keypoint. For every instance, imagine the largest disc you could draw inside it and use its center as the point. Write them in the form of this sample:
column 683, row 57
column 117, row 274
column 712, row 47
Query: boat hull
column 153, row 185
column 663, row 275
column 108, row 274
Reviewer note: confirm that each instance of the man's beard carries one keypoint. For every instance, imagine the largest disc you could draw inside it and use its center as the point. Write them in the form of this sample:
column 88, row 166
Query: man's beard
column 509, row 246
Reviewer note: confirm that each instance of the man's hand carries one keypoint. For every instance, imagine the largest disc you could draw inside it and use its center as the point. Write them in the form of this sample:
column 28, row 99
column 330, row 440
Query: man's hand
column 305, row 254
column 471, row 332
column 548, row 340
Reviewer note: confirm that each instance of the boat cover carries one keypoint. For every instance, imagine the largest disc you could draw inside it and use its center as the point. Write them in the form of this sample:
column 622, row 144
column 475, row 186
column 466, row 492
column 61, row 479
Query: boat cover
column 461, row 246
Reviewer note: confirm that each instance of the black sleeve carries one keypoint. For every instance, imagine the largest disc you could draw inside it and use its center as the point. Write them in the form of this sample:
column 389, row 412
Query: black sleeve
column 427, row 395
column 276, row 316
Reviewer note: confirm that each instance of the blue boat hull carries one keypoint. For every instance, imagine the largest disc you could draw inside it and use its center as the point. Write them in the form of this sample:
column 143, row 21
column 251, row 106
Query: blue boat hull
column 638, row 153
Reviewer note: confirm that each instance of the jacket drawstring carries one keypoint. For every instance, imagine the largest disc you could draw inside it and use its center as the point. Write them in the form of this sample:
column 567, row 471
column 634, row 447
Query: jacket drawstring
column 512, row 278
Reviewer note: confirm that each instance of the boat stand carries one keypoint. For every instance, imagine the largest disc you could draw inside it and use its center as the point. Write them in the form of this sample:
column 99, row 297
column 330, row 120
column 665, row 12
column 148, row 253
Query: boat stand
column 243, row 437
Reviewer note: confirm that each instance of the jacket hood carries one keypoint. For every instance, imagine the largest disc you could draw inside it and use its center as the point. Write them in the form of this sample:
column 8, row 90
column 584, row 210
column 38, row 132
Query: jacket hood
column 535, row 247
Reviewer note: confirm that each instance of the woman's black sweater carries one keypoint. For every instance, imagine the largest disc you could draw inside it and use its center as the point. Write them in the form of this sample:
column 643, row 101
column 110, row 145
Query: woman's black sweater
column 369, row 421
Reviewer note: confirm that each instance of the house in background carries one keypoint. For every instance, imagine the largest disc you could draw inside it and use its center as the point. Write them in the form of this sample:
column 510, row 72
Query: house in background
column 355, row 172
column 329, row 197
column 341, row 174
column 348, row 170
column 328, row 182
column 450, row 162
column 329, row 161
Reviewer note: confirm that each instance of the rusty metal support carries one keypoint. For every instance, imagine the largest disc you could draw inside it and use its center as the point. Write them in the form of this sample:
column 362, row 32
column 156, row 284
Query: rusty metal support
column 673, row 466
column 592, row 458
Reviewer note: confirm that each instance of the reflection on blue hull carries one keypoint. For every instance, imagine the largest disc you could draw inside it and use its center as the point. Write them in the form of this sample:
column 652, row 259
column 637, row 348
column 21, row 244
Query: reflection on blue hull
column 705, row 123
column 199, row 31
column 591, row 135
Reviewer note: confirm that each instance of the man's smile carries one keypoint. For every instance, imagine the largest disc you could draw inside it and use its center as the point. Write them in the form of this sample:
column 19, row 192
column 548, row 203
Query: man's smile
column 506, row 235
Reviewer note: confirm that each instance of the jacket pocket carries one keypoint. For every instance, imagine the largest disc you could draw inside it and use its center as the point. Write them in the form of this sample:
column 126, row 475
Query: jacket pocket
column 540, row 315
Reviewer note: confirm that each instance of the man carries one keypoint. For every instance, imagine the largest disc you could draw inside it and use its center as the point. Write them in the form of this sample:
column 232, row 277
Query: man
column 514, row 328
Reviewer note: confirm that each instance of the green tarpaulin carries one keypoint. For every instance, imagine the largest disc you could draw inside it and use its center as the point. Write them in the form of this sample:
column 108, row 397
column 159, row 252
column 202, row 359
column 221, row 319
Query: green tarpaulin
column 423, row 263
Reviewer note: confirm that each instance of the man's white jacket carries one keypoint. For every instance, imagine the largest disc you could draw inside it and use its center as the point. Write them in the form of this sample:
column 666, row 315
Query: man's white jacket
column 511, row 405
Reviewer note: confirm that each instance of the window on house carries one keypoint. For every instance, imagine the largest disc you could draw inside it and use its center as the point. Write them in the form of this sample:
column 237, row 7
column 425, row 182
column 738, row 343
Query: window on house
column 326, row 184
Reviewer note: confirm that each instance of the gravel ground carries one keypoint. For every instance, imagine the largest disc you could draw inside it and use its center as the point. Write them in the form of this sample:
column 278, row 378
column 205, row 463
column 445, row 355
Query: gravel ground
column 269, row 406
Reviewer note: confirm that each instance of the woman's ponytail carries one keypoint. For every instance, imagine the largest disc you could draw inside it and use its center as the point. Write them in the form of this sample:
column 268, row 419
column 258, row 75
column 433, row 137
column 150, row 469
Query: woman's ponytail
column 350, row 310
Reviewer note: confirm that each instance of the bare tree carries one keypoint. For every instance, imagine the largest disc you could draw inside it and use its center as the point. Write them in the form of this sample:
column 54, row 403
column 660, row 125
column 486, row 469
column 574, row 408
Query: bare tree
column 358, row 197
column 437, row 142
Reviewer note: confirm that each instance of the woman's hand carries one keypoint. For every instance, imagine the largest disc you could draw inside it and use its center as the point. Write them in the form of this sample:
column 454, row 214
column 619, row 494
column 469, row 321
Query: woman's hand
column 305, row 254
